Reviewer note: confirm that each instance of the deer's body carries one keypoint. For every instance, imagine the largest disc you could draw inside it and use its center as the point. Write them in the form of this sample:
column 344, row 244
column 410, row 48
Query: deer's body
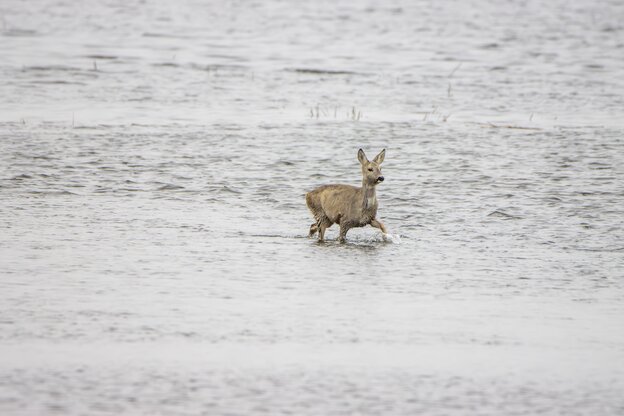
column 346, row 205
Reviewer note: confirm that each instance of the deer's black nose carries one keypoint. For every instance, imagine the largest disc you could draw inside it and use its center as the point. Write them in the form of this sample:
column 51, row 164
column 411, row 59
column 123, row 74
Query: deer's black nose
column 380, row 179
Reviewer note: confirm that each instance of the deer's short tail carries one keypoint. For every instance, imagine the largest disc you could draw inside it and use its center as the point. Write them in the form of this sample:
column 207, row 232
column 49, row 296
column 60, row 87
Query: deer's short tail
column 311, row 203
column 314, row 205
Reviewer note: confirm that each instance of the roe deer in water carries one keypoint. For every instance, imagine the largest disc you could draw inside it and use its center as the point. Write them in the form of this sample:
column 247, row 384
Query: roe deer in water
column 346, row 205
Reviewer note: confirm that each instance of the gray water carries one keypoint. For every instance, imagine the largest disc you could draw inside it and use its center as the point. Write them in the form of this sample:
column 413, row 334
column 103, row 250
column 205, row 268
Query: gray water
column 154, row 158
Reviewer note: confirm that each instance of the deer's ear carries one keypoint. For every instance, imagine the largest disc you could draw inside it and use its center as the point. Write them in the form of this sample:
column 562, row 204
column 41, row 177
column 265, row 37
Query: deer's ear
column 380, row 157
column 362, row 157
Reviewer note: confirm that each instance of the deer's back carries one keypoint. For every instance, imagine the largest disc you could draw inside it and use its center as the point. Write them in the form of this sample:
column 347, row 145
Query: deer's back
column 334, row 201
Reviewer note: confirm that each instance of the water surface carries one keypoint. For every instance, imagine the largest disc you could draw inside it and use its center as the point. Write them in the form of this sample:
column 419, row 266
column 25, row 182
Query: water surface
column 153, row 165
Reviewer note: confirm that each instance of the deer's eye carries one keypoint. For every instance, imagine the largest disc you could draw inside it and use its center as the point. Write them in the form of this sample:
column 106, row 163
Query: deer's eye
column 370, row 169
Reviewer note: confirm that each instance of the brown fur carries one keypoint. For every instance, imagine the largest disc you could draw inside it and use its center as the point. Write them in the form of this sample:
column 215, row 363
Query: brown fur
column 346, row 205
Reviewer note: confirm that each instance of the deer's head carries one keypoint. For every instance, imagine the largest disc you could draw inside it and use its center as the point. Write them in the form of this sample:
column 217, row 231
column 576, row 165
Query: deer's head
column 371, row 169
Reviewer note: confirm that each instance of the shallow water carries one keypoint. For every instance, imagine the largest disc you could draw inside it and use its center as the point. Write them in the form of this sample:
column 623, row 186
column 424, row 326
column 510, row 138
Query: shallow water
column 153, row 163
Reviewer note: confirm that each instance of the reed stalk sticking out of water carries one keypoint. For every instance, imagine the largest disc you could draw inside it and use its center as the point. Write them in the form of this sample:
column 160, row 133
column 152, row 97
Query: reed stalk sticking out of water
column 318, row 112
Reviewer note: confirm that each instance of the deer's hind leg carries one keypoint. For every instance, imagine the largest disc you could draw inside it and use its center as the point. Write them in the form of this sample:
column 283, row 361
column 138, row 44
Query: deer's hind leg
column 323, row 224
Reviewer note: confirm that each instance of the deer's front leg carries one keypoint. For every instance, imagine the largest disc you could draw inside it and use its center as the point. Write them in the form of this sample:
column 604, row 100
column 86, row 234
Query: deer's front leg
column 378, row 224
column 343, row 233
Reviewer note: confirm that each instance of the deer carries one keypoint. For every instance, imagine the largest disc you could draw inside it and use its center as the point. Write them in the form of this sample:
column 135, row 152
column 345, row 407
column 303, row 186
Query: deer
column 346, row 205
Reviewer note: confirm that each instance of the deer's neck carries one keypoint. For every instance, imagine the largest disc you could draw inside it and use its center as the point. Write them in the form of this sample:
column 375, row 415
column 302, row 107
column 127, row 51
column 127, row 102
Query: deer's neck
column 369, row 196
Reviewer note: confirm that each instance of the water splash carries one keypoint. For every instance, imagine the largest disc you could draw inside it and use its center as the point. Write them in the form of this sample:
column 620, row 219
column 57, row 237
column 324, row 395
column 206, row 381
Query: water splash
column 392, row 238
